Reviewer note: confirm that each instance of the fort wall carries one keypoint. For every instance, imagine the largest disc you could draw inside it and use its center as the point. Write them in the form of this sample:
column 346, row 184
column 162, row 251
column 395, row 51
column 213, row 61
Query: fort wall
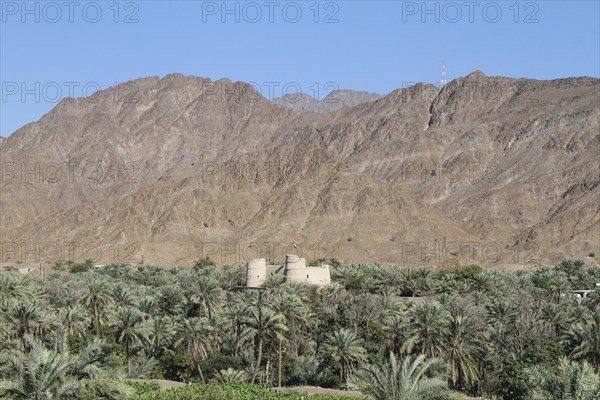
column 294, row 270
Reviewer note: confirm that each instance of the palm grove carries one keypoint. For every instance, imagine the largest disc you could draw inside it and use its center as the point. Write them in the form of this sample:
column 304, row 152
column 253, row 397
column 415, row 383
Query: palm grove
column 80, row 333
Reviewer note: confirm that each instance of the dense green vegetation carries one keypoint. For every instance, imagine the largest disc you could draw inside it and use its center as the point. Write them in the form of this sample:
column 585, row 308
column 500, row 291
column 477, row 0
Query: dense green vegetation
column 229, row 391
column 392, row 333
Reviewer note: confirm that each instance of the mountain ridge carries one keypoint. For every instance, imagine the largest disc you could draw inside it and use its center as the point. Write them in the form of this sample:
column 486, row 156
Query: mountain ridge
column 389, row 161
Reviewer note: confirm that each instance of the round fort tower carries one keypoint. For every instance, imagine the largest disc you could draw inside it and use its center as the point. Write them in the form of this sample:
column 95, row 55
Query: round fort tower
column 295, row 269
column 256, row 272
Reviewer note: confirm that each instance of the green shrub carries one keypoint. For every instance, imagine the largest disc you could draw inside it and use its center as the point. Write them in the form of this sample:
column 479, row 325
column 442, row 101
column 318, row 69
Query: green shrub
column 234, row 391
column 204, row 264
column 77, row 268
column 463, row 272
column 143, row 387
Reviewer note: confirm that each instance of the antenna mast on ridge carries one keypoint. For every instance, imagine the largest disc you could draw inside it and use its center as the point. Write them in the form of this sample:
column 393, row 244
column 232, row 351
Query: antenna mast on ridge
column 443, row 81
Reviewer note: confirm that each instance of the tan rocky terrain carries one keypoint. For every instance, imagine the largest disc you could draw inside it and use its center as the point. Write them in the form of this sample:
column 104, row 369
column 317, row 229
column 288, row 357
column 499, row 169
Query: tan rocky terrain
column 492, row 170
column 301, row 102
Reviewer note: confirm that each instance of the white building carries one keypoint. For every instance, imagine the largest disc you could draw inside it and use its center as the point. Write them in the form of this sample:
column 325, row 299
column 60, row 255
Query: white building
column 294, row 270
column 25, row 271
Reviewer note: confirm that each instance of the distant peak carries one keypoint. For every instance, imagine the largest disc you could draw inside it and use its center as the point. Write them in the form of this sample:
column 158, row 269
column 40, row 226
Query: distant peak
column 174, row 75
column 348, row 92
column 476, row 75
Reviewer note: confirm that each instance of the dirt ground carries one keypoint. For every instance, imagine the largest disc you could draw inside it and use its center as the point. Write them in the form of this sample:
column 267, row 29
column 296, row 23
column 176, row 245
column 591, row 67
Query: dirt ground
column 320, row 390
column 164, row 384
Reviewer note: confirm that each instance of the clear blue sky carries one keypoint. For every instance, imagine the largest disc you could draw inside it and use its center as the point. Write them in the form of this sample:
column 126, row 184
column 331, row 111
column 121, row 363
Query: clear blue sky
column 376, row 46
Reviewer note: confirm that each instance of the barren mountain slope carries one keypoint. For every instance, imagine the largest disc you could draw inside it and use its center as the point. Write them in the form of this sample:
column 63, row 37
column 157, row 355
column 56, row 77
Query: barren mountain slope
column 489, row 162
column 168, row 221
column 496, row 155
column 121, row 139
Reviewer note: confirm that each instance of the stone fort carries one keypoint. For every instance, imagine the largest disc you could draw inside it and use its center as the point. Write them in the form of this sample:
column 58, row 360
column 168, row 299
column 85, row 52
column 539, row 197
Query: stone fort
column 294, row 270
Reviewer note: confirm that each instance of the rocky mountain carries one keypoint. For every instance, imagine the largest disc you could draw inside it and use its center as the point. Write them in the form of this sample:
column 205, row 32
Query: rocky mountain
column 491, row 170
column 301, row 102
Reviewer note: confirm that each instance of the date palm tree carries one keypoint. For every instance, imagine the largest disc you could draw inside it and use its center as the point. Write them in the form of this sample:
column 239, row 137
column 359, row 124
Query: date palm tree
column 410, row 281
column 16, row 288
column 207, row 294
column 295, row 317
column 123, row 295
column 331, row 297
column 462, row 348
column 424, row 279
column 43, row 373
column 585, row 338
column 264, row 322
column 391, row 277
column 427, row 323
column 559, row 285
column 394, row 327
column 25, row 317
column 196, row 333
column 297, row 289
column 127, row 322
column 568, row 380
column 411, row 379
column 346, row 349
column 482, row 282
column 232, row 275
column 230, row 375
column 148, row 305
column 557, row 316
column 97, row 298
column 274, row 281
column 389, row 305
column 74, row 320
column 159, row 333
column 233, row 317
column 49, row 324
